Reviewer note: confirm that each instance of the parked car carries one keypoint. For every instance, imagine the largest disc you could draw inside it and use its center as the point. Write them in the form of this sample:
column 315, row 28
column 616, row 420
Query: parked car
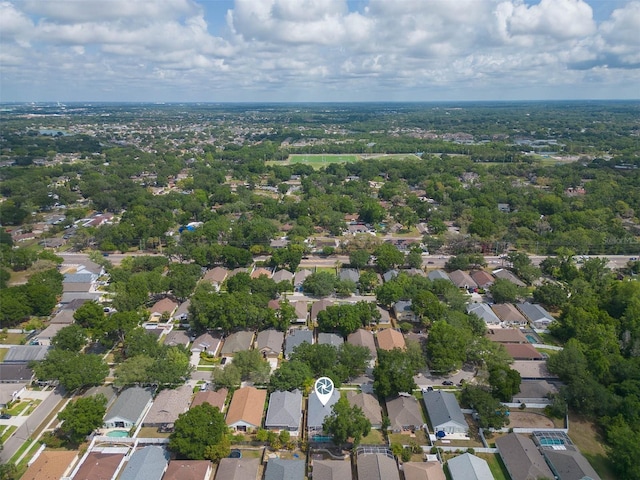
column 5, row 416
column 447, row 382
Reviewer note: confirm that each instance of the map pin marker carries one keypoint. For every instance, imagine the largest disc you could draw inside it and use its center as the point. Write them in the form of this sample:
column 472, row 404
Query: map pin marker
column 324, row 389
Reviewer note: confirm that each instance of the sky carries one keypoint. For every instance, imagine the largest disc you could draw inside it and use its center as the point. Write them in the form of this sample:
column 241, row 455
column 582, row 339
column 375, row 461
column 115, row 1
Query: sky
column 318, row 50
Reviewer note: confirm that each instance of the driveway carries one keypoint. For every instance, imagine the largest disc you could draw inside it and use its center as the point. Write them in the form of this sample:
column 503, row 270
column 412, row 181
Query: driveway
column 425, row 379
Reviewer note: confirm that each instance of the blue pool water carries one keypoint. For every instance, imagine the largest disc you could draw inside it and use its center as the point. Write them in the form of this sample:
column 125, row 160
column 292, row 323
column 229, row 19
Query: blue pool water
column 320, row 439
column 118, row 433
column 532, row 339
column 551, row 441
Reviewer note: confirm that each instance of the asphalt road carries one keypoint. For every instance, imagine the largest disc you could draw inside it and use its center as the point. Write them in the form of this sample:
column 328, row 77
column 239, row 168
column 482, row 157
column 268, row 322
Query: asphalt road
column 30, row 425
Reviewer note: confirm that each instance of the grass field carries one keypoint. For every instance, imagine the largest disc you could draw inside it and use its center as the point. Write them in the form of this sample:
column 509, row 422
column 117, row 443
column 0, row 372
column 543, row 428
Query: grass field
column 321, row 160
column 586, row 437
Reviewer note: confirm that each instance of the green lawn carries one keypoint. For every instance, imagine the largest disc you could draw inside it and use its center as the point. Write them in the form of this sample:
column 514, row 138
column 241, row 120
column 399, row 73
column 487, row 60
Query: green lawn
column 320, row 160
column 495, row 465
column 375, row 437
column 10, row 339
column 6, row 432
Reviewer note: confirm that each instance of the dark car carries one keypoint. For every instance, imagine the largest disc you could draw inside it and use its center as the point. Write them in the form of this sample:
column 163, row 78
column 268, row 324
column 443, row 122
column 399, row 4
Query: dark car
column 5, row 416
column 447, row 382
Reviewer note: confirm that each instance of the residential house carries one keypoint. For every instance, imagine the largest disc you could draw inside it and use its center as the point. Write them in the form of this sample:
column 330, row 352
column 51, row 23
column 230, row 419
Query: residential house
column 332, row 470
column 300, row 276
column 176, row 337
column 434, row 275
column 269, row 343
column 535, row 391
column 522, row 458
column 469, row 467
column 364, row 338
column 390, row 275
column 483, row 279
column 50, row 465
column 349, row 274
column 45, row 336
column 405, row 414
column 377, row 466
column 302, row 311
column 166, row 306
column 533, row 370
column 506, row 335
column 167, row 406
column 507, row 275
column 215, row 399
column 216, row 276
column 68, row 297
column 237, row 342
column 245, row 409
column 238, row 469
column 296, row 336
column 261, row 272
column 207, row 343
column 415, row 272
column 279, row 469
column 389, row 338
column 536, row 314
column 98, row 465
column 26, row 353
column 15, row 373
column 484, row 312
column 284, row 412
column 318, row 307
column 279, row 243
column 444, row 412
column 148, row 463
column 188, row 470
column 509, row 314
column 65, row 315
column 519, row 351
column 330, row 339
column 385, row 318
column 182, row 312
column 403, row 312
column 317, row 412
column 462, row 280
column 369, row 405
column 423, row 471
column 282, row 276
column 569, row 464
column 10, row 392
column 235, row 271
column 129, row 408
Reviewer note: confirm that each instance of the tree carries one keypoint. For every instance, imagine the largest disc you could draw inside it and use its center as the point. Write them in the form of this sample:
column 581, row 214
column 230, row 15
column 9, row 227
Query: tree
column 82, row 416
column 134, row 371
column 447, row 346
column 359, row 258
column 503, row 291
column 427, row 307
column 388, row 256
column 368, row 281
column 352, row 360
column 73, row 370
column 319, row 284
column 291, row 375
column 491, row 413
column 89, row 315
column 346, row 422
column 252, row 366
column 551, row 295
column 341, row 318
column 621, row 451
column 504, row 382
column 197, row 429
column 72, row 338
column 393, row 373
column 522, row 267
column 228, row 377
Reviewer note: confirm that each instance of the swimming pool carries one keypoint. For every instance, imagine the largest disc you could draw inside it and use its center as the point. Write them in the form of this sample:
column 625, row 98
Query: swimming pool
column 532, row 339
column 118, row 433
column 551, row 441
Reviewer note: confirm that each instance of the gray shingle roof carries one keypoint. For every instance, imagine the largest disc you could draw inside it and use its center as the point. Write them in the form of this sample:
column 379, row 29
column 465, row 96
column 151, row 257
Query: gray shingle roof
column 148, row 463
column 534, row 312
column 483, row 311
column 332, row 470
column 130, row 404
column 238, row 469
column 270, row 341
column 404, row 411
column 295, row 338
column 442, row 407
column 330, row 339
column 469, row 467
column 316, row 412
column 438, row 275
column 377, row 466
column 237, row 342
column 26, row 353
column 285, row 410
column 278, row 469
column 522, row 458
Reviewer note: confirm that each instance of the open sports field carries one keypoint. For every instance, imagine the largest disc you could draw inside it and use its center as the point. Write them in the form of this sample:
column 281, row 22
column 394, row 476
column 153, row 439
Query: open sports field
column 321, row 159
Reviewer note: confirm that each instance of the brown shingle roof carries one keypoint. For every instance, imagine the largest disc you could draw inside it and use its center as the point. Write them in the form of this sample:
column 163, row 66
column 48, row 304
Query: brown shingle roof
column 508, row 313
column 50, row 465
column 520, row 351
column 388, row 339
column 247, row 405
column 215, row 399
column 164, row 305
column 187, row 470
column 99, row 466
column 423, row 471
column 216, row 275
column 506, row 335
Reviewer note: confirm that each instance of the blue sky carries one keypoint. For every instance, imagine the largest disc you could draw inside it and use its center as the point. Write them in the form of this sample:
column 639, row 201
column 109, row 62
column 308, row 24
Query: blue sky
column 318, row 50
